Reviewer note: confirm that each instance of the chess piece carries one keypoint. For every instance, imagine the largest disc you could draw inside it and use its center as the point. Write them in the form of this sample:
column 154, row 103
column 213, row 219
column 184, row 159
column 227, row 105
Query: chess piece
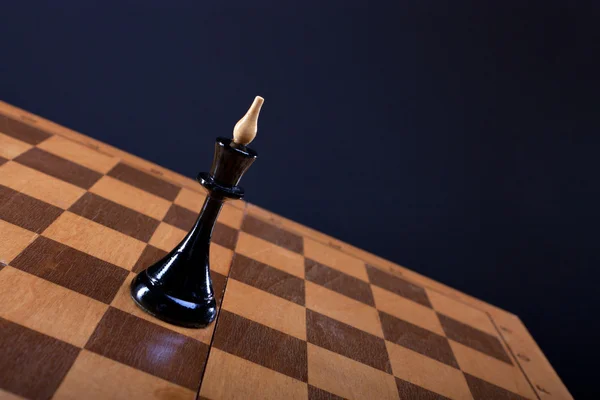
column 178, row 288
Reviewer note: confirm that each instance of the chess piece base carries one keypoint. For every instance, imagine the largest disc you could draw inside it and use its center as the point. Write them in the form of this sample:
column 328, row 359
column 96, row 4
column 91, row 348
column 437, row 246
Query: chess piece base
column 178, row 288
column 152, row 299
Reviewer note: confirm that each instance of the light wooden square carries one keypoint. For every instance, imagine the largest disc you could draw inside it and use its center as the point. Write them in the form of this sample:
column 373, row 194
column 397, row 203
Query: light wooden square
column 231, row 216
column 428, row 373
column 406, row 310
column 39, row 185
column 190, row 199
column 335, row 259
column 220, row 259
column 231, row 377
column 95, row 239
column 14, row 240
column 4, row 395
column 167, row 237
column 491, row 370
column 48, row 308
column 95, row 377
column 461, row 312
column 268, row 253
column 343, row 309
column 274, row 312
column 11, row 147
column 132, row 197
column 79, row 154
column 348, row 378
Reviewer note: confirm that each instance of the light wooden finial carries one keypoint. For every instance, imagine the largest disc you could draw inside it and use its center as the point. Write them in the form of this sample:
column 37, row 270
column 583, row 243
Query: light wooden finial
column 245, row 130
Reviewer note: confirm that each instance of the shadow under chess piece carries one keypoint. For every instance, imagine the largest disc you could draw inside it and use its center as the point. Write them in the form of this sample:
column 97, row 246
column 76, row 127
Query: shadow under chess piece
column 178, row 288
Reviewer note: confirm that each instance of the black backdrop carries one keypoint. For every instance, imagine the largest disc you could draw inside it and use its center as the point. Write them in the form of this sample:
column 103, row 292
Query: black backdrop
column 457, row 139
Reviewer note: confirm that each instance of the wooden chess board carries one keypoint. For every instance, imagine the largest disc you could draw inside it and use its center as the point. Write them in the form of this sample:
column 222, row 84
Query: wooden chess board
column 302, row 315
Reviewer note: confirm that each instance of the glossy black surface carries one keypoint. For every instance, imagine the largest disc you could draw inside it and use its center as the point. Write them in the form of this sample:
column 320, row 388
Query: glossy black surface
column 230, row 162
column 178, row 288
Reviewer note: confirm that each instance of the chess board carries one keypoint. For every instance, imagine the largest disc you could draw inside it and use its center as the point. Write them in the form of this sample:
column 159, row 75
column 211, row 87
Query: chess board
column 301, row 315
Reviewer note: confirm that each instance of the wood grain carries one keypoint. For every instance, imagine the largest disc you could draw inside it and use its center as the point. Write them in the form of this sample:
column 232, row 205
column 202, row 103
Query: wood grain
column 474, row 338
column 192, row 200
column 14, row 240
column 131, row 197
column 231, row 377
column 24, row 132
column 417, row 339
column 97, row 240
column 338, row 282
column 399, row 286
column 408, row 390
column 346, row 340
column 4, row 395
column 270, row 254
column 79, row 154
column 348, row 378
column 89, row 377
column 220, row 259
column 115, row 216
column 224, row 236
column 457, row 310
column 39, row 185
column 142, row 345
column 25, row 211
column 483, row 390
column 268, row 279
column 11, row 147
column 32, row 374
column 265, row 309
column 59, row 167
column 68, row 315
column 314, row 393
column 490, row 369
column 144, row 181
column 273, row 234
column 71, row 268
column 427, row 373
column 166, row 237
column 335, row 259
column 231, row 216
column 342, row 308
column 407, row 310
column 262, row 345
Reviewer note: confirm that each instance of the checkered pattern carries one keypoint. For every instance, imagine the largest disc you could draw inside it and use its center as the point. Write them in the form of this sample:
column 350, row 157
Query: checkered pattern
column 298, row 318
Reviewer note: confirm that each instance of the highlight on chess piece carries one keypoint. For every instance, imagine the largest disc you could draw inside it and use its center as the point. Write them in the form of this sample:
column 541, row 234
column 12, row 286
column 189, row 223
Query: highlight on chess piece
column 178, row 288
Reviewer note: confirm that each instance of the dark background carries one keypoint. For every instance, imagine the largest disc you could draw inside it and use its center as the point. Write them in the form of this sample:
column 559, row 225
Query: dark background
column 457, row 139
